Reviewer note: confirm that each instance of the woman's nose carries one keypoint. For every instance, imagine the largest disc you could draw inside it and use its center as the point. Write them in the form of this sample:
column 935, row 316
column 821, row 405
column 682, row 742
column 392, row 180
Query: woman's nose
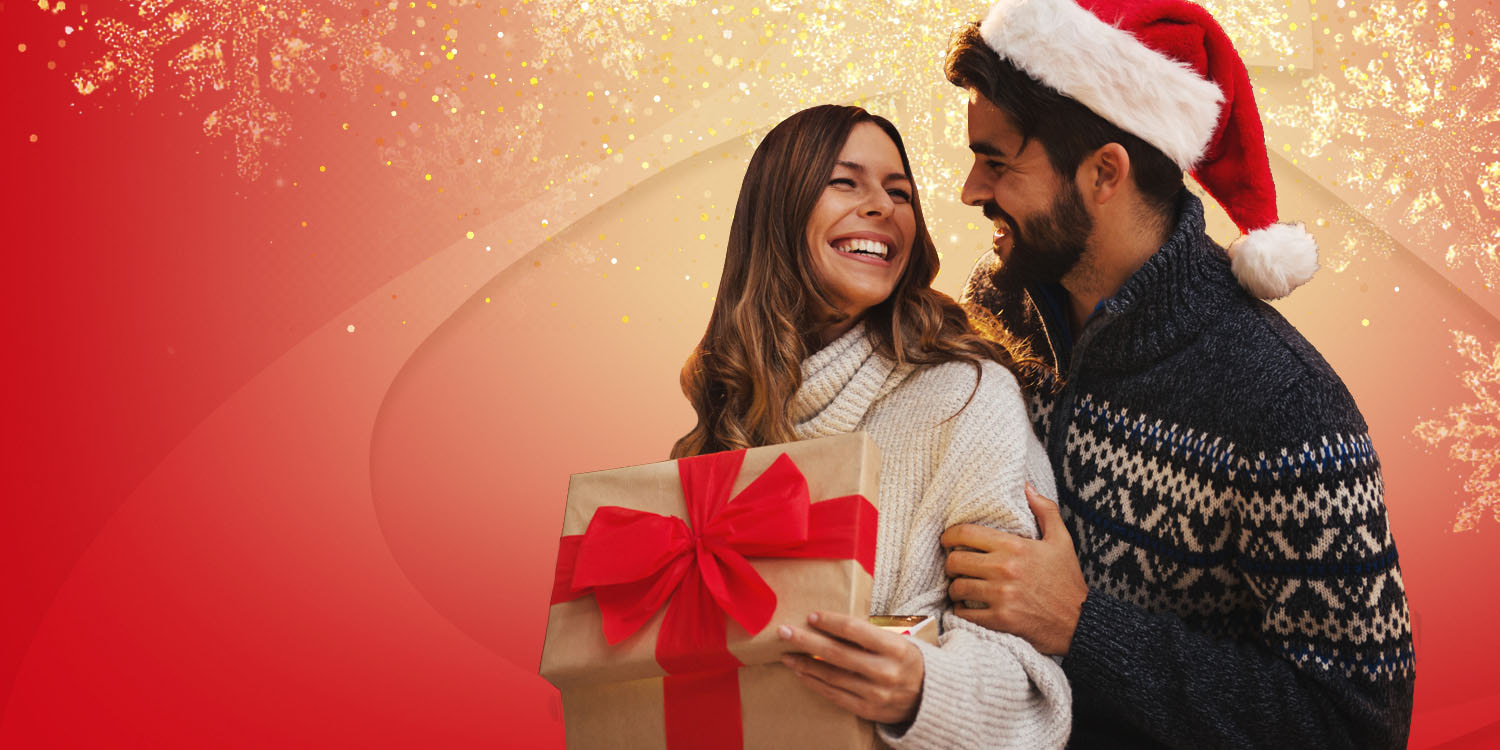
column 880, row 204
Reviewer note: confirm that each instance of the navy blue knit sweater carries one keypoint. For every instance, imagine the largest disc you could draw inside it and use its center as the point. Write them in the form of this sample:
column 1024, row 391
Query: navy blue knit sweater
column 1227, row 509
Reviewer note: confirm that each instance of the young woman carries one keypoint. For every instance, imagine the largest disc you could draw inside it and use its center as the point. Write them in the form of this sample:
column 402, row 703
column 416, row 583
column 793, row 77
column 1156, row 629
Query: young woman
column 826, row 323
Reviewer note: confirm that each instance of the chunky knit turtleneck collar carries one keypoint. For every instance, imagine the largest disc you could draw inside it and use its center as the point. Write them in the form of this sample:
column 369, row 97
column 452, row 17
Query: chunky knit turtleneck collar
column 839, row 383
column 1169, row 300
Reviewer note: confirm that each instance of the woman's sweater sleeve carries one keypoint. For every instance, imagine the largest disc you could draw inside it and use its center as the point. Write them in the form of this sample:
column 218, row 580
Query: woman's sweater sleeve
column 981, row 688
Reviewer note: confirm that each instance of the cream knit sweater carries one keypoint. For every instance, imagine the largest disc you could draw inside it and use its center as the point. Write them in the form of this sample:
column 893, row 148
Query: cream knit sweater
column 982, row 689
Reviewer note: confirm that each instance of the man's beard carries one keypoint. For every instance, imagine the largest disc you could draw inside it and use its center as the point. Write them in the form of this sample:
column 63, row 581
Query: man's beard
column 1043, row 248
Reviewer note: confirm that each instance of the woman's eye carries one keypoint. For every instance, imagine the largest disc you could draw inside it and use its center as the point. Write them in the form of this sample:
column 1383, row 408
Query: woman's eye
column 845, row 181
column 900, row 195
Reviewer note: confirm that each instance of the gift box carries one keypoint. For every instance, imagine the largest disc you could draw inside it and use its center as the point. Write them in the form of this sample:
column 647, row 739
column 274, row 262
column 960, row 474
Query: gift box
column 673, row 577
column 920, row 627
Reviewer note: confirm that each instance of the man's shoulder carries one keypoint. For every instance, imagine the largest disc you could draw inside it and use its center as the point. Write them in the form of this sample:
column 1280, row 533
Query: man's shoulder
column 1272, row 369
column 1281, row 404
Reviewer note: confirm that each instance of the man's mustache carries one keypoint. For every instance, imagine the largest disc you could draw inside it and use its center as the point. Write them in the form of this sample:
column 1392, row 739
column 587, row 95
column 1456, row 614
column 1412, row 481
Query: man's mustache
column 992, row 211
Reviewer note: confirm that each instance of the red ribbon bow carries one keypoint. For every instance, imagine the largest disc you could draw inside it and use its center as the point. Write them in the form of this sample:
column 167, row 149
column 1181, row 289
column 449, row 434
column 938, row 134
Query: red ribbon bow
column 635, row 562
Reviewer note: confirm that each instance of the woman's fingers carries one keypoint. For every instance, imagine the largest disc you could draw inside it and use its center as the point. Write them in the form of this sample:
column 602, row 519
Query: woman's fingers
column 854, row 693
column 842, row 679
column 879, row 674
column 821, row 645
column 806, row 670
column 858, row 631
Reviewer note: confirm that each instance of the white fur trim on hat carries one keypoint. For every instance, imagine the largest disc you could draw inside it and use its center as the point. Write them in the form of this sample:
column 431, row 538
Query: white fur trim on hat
column 1272, row 261
column 1110, row 72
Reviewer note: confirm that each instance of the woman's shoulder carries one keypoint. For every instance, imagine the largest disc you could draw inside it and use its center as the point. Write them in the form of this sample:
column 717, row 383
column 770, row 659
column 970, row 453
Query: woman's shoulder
column 960, row 413
column 952, row 388
column 989, row 380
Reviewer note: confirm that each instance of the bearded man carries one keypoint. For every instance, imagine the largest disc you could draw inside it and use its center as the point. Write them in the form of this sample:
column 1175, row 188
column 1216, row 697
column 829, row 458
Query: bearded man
column 1219, row 570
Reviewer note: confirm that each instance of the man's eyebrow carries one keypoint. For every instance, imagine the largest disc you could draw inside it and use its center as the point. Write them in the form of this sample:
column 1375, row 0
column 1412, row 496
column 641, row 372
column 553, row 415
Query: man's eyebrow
column 856, row 166
column 986, row 148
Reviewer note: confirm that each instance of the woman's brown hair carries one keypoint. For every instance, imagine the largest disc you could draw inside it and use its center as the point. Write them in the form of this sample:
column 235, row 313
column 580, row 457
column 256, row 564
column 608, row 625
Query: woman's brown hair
column 743, row 374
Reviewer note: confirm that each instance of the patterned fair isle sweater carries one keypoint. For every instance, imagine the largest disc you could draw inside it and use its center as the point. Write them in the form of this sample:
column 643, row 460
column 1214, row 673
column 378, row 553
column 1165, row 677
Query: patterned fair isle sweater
column 1227, row 508
column 942, row 464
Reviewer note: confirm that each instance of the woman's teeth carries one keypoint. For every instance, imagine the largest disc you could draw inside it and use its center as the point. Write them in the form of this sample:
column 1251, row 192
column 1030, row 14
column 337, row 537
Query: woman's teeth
column 862, row 247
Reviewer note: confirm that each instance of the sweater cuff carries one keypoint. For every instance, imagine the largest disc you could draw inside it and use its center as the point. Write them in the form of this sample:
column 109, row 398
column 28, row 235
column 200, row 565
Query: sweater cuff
column 942, row 686
column 1102, row 645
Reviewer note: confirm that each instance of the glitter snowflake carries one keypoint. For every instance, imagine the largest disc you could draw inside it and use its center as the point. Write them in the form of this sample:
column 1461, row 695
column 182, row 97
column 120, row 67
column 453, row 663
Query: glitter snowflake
column 237, row 50
column 891, row 56
column 1410, row 101
column 1474, row 432
column 493, row 159
column 1259, row 28
column 617, row 33
column 1351, row 237
column 785, row 55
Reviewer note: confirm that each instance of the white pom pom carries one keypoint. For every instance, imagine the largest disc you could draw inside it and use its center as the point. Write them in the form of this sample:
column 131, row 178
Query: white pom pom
column 1272, row 261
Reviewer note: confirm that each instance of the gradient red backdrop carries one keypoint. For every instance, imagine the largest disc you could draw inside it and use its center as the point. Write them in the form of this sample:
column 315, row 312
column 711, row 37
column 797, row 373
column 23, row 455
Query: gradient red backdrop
column 285, row 446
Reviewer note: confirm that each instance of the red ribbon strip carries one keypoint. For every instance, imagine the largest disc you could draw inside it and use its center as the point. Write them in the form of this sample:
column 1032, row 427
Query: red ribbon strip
column 702, row 710
column 635, row 562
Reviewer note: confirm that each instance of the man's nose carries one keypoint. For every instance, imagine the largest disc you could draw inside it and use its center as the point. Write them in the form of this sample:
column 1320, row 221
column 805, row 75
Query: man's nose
column 976, row 190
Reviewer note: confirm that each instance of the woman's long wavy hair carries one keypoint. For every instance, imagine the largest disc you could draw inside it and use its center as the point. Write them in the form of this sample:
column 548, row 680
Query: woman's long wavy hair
column 742, row 376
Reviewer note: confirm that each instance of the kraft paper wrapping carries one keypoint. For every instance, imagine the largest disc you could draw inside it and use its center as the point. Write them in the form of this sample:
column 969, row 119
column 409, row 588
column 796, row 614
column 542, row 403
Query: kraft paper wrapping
column 779, row 712
column 575, row 653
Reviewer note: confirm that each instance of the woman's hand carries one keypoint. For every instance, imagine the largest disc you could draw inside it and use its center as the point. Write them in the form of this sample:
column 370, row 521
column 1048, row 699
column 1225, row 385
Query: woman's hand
column 872, row 673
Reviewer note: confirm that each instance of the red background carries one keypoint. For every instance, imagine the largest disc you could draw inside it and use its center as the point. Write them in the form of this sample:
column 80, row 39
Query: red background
column 227, row 520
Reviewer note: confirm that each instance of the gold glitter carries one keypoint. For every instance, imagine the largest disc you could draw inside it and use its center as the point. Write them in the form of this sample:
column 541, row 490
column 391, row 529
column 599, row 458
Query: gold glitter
column 218, row 42
column 613, row 32
column 1408, row 99
column 1472, row 429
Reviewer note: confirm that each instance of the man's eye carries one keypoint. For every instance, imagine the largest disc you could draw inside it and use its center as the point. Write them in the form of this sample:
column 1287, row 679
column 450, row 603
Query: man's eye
column 996, row 166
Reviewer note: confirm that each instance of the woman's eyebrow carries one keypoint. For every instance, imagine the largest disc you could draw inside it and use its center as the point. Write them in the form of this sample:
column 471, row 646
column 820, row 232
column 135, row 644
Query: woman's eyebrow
column 856, row 166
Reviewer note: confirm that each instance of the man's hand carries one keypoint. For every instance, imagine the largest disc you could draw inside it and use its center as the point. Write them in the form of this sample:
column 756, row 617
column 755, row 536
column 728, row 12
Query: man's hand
column 864, row 670
column 1032, row 588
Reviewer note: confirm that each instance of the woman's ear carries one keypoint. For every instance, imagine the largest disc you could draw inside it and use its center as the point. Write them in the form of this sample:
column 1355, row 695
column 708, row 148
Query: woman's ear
column 1104, row 173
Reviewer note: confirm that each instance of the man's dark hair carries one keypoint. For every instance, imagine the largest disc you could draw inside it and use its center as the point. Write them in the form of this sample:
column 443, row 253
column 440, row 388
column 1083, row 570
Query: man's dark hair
column 1067, row 130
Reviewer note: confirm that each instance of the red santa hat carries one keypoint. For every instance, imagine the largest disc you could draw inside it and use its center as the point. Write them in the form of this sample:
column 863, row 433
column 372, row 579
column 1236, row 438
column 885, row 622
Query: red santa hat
column 1165, row 72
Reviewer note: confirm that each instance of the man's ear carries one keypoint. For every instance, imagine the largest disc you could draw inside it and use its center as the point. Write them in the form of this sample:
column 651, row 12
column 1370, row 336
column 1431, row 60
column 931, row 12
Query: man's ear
column 1104, row 173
